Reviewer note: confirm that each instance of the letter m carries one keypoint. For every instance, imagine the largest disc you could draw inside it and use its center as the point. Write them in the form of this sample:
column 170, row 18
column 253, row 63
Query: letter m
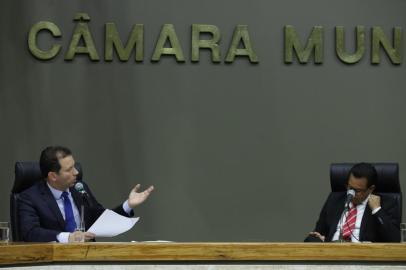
column 136, row 40
column 314, row 44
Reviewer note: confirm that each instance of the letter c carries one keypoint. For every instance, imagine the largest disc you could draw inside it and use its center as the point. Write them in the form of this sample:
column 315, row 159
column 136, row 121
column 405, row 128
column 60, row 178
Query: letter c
column 32, row 40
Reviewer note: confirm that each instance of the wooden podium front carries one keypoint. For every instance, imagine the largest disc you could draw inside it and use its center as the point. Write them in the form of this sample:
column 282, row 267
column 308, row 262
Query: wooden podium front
column 14, row 255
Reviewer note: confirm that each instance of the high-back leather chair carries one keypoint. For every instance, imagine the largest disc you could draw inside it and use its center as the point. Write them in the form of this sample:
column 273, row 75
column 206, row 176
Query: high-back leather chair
column 27, row 173
column 387, row 183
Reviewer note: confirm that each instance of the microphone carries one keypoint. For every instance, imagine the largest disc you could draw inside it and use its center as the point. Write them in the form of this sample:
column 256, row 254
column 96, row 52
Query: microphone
column 350, row 195
column 85, row 196
column 80, row 188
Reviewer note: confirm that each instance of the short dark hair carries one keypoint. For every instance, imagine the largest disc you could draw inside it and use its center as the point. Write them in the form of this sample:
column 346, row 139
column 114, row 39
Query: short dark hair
column 49, row 160
column 366, row 170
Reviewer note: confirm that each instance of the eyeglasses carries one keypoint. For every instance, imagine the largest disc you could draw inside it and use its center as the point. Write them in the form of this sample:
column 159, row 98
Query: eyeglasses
column 357, row 190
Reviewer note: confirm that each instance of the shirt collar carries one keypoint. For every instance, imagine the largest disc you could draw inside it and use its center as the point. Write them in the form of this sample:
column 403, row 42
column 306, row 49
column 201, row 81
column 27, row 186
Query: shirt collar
column 55, row 192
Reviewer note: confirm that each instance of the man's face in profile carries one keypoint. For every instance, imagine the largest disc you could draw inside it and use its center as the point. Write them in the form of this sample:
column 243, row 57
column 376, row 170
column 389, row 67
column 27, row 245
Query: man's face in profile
column 66, row 177
column 360, row 186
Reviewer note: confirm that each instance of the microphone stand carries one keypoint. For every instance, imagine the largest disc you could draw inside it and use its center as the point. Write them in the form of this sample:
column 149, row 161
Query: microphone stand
column 84, row 200
column 82, row 226
column 349, row 197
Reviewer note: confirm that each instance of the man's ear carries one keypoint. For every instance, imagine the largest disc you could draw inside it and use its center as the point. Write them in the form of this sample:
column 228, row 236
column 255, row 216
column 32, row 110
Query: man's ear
column 372, row 188
column 52, row 176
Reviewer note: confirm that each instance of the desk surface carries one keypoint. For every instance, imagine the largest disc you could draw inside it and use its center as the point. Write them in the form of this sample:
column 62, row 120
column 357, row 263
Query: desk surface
column 22, row 253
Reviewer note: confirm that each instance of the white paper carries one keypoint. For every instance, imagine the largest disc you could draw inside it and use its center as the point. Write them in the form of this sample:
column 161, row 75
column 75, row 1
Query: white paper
column 111, row 224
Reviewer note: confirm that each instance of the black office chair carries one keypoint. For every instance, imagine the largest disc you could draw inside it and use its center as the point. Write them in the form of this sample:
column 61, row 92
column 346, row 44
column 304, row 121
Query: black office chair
column 26, row 175
column 387, row 181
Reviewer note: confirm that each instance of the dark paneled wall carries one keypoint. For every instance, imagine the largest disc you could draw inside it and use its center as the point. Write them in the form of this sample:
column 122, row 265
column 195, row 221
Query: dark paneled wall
column 237, row 152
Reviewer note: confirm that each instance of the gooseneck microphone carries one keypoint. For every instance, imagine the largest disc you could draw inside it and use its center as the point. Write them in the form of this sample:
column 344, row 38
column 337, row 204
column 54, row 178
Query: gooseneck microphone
column 350, row 196
column 80, row 188
column 85, row 196
column 348, row 199
column 85, row 200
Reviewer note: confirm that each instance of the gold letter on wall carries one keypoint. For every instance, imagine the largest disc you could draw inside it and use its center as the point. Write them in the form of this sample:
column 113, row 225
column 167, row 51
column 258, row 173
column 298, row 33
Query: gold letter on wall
column 168, row 33
column 113, row 40
column 314, row 42
column 241, row 35
column 82, row 31
column 32, row 40
column 211, row 44
column 379, row 38
column 340, row 45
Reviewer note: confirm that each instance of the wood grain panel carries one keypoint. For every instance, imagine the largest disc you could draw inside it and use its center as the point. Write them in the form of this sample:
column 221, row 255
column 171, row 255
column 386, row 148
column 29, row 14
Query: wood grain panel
column 140, row 252
column 26, row 253
column 231, row 251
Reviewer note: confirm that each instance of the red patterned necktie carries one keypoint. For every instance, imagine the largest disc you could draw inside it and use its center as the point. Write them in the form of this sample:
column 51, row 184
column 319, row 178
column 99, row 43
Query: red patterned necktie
column 349, row 224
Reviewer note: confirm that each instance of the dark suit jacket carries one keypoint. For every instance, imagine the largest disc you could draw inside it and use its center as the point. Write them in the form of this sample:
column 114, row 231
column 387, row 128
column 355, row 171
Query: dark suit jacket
column 41, row 219
column 383, row 226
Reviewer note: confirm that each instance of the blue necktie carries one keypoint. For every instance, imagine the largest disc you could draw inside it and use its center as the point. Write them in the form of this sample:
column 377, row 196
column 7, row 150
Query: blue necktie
column 70, row 224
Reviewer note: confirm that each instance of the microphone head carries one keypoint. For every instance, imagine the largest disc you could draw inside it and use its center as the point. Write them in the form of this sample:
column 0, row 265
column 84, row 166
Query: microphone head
column 350, row 193
column 79, row 187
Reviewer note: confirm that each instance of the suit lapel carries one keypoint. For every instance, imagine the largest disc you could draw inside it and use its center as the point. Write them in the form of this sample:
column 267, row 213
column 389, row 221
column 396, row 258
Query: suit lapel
column 366, row 219
column 337, row 214
column 51, row 203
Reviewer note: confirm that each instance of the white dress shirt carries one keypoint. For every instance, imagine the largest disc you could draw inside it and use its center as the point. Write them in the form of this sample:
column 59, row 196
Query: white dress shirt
column 63, row 237
column 360, row 213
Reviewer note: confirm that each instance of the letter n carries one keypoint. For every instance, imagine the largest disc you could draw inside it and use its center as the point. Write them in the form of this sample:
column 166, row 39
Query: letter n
column 379, row 38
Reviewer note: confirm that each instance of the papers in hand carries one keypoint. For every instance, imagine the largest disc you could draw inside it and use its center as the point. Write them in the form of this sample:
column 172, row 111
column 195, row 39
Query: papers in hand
column 111, row 224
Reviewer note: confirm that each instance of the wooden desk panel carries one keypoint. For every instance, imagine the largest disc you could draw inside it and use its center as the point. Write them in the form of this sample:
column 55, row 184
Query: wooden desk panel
column 211, row 252
column 20, row 254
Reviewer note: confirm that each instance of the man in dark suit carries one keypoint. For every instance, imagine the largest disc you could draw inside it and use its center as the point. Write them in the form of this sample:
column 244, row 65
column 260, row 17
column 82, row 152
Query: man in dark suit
column 50, row 210
column 368, row 217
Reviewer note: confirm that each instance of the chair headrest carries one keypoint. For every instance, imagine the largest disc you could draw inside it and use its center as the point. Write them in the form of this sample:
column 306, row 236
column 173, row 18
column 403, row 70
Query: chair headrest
column 387, row 177
column 27, row 173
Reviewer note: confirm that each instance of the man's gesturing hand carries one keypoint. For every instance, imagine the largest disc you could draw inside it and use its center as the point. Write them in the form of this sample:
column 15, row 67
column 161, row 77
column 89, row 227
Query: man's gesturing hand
column 135, row 198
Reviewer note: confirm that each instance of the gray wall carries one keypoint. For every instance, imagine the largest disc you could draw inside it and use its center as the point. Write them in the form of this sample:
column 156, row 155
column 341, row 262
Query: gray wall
column 237, row 152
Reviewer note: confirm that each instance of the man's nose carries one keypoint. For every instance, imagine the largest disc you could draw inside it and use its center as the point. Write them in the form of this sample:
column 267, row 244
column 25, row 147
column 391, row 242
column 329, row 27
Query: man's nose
column 75, row 171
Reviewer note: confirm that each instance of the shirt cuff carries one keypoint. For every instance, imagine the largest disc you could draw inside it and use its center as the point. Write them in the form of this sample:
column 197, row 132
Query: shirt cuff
column 376, row 210
column 63, row 237
column 127, row 208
